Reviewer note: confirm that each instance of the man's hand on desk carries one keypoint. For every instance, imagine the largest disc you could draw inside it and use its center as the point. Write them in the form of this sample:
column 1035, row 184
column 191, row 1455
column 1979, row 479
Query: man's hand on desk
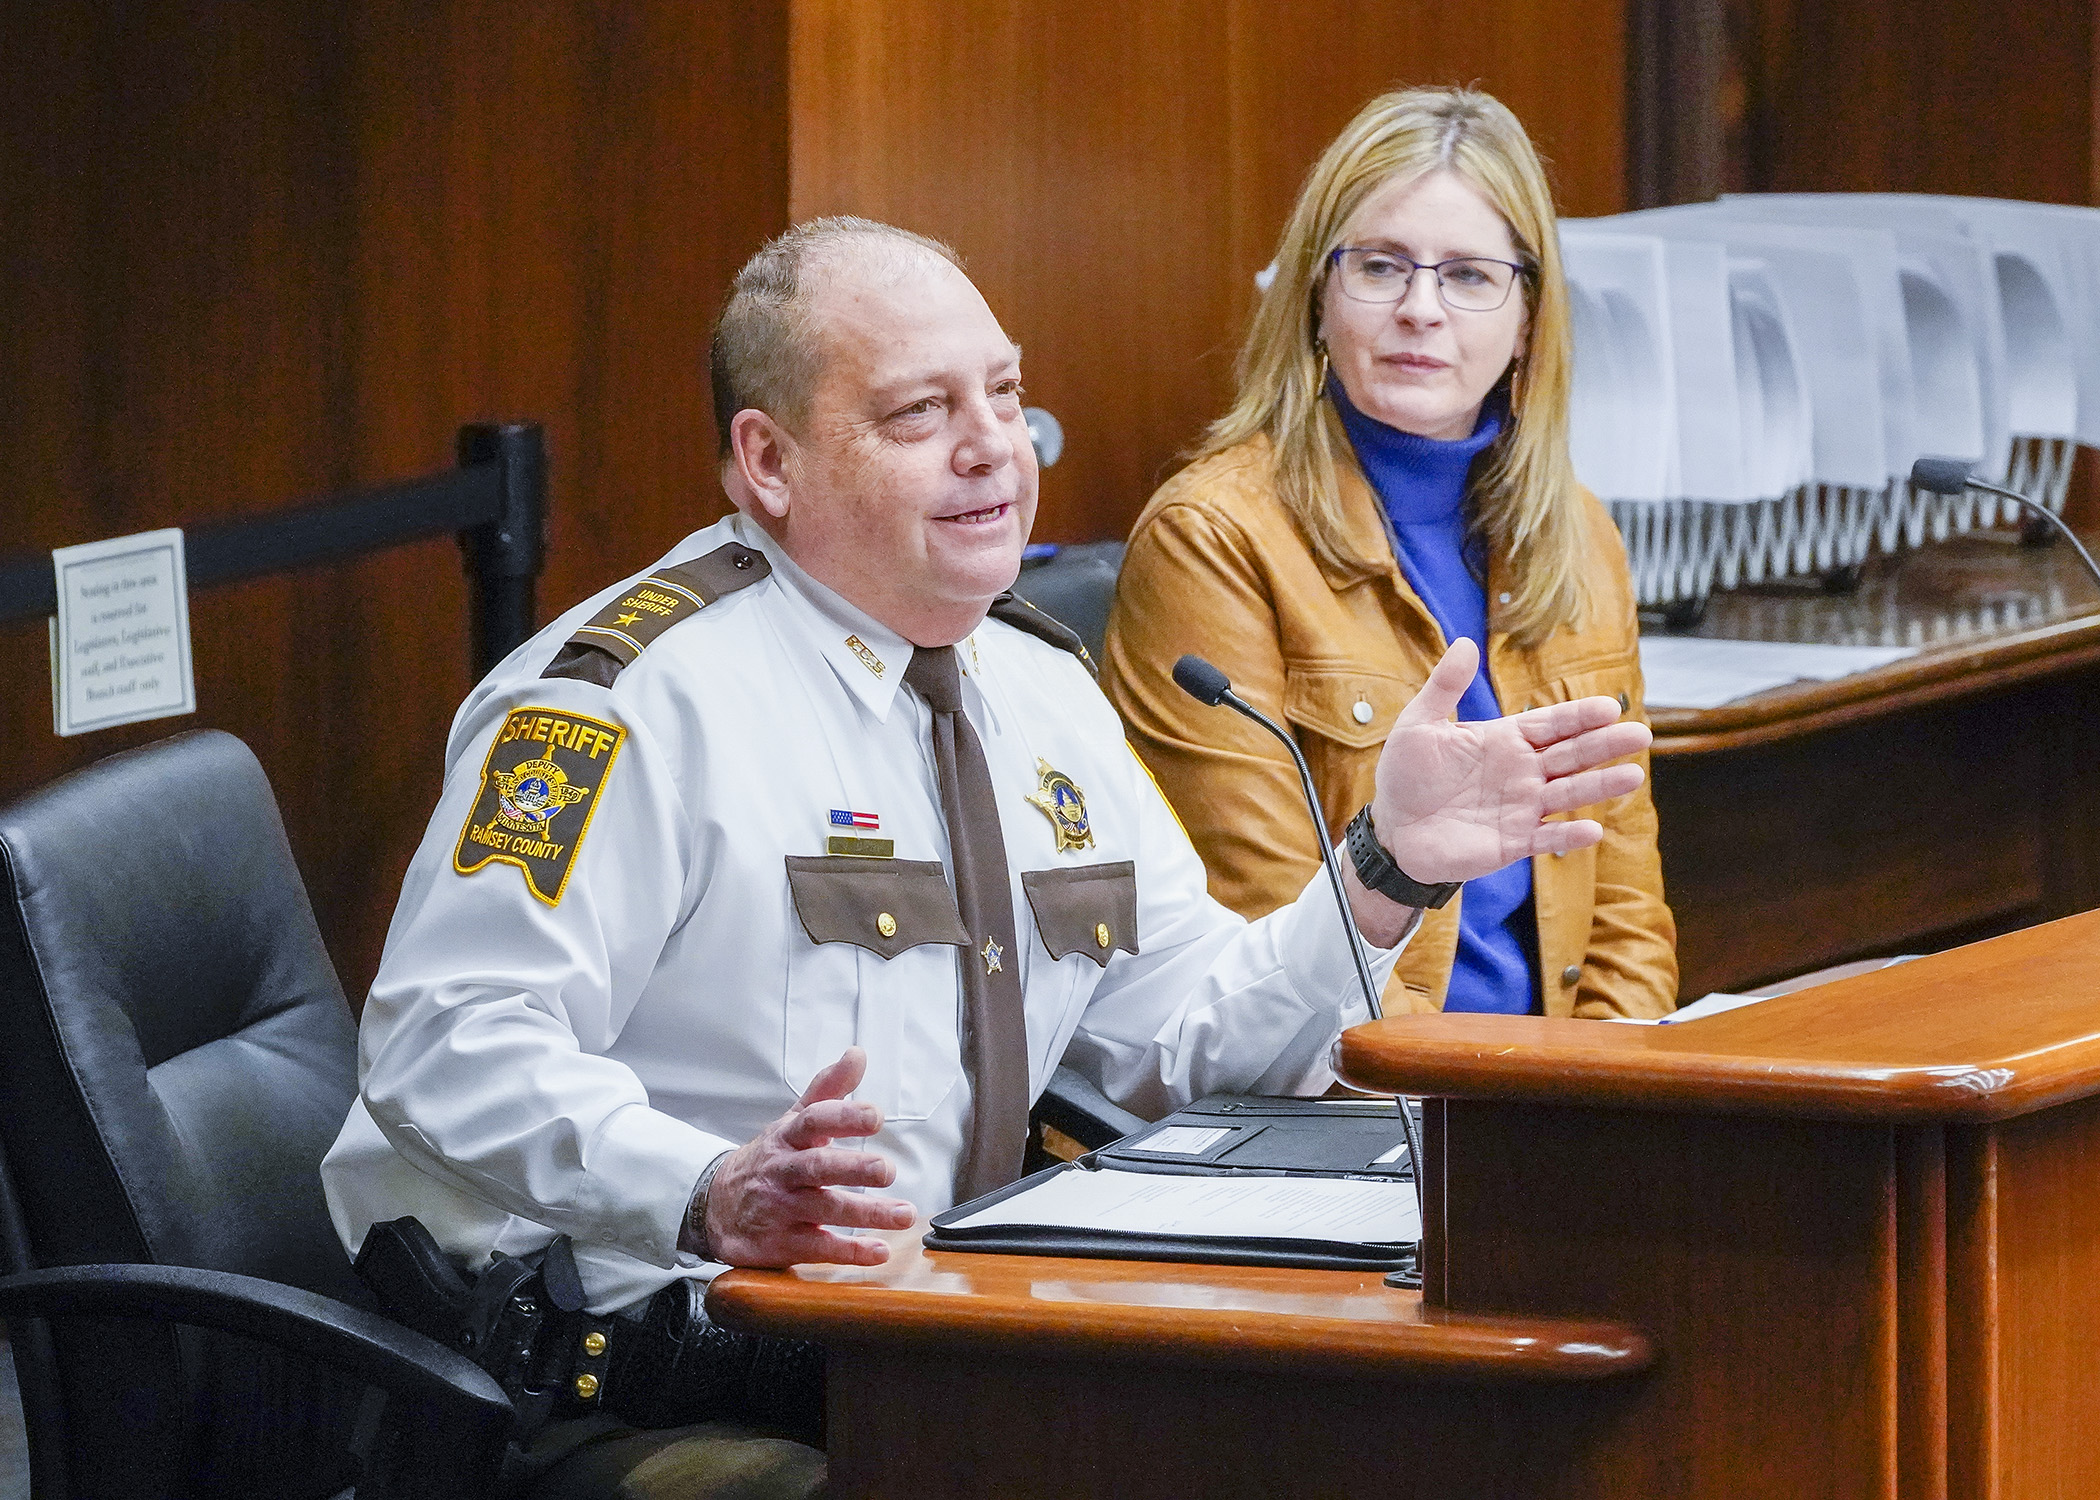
column 769, row 1201
column 1458, row 801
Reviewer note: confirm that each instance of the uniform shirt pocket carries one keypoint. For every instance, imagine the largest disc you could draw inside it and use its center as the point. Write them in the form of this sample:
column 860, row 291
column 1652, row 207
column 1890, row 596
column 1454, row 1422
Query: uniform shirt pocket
column 1089, row 909
column 879, row 970
column 882, row 905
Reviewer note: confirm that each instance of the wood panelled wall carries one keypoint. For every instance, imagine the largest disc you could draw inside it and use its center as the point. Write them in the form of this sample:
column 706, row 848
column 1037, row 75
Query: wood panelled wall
column 1115, row 174
column 257, row 250
column 1873, row 96
column 1879, row 96
column 253, row 251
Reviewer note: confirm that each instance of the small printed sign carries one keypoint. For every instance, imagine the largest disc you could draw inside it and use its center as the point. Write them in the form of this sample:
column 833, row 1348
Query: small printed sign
column 120, row 643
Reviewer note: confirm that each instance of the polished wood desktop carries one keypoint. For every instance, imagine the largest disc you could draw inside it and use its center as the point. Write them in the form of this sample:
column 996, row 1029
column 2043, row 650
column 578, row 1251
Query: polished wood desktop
column 1949, row 796
column 1842, row 1244
column 1015, row 1376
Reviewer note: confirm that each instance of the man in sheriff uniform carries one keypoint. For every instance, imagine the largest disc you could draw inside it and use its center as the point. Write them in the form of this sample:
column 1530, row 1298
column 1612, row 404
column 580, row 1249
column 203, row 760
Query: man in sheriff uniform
column 766, row 889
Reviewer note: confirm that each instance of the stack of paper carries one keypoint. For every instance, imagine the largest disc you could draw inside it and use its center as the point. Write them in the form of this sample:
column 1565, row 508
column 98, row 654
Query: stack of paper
column 1686, row 672
column 1836, row 291
column 1754, row 377
column 1345, row 1209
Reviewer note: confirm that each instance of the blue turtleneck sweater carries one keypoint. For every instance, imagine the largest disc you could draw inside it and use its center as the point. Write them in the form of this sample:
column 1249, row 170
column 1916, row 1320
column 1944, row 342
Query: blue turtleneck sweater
column 1422, row 482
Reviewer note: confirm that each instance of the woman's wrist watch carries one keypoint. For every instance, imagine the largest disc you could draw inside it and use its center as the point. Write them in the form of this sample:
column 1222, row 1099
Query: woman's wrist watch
column 1375, row 868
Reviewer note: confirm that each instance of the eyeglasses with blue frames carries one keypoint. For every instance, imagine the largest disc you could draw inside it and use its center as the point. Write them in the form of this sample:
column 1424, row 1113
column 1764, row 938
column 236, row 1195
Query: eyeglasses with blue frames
column 1469, row 283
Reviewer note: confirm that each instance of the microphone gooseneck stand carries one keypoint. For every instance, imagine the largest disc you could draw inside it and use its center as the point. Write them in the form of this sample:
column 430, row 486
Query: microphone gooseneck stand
column 1208, row 686
column 1950, row 476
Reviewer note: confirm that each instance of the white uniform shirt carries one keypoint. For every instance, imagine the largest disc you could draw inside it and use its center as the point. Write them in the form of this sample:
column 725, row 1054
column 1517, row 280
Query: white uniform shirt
column 530, row 1068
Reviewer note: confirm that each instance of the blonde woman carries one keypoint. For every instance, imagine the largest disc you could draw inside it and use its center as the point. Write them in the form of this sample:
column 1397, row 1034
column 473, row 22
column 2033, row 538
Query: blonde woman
column 1394, row 475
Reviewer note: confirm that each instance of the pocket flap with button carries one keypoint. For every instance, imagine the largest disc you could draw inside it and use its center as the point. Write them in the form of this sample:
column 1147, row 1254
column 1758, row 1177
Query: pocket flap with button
column 1090, row 909
column 1348, row 705
column 1614, row 680
column 882, row 905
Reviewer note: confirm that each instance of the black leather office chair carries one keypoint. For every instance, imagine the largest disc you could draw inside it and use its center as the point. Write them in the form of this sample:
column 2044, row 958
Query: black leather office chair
column 1075, row 585
column 175, row 1057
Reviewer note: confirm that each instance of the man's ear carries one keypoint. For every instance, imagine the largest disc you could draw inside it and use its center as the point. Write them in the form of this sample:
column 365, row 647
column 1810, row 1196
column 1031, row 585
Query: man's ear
column 758, row 461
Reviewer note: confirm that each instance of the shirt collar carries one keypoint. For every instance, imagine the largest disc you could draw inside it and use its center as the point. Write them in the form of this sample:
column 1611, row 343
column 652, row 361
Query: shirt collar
column 868, row 657
column 976, row 672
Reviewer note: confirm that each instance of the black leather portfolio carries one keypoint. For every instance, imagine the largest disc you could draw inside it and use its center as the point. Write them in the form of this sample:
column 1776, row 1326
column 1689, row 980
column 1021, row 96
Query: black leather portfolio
column 1214, row 1140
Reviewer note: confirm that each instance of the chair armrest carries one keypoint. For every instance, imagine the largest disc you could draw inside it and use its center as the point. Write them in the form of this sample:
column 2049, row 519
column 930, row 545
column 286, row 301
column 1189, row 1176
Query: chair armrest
column 1083, row 1112
column 445, row 1394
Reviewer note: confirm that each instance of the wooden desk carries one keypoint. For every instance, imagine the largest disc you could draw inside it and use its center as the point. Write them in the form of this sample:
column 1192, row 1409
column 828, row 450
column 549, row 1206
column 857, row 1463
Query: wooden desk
column 1844, row 1245
column 1861, row 1222
column 1014, row 1376
column 1946, row 797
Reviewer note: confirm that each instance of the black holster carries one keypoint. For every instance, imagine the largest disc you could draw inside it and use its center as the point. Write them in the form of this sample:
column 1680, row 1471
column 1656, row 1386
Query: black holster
column 522, row 1319
column 675, row 1367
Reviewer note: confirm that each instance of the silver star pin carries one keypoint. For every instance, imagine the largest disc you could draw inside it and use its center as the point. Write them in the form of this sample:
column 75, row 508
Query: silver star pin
column 991, row 951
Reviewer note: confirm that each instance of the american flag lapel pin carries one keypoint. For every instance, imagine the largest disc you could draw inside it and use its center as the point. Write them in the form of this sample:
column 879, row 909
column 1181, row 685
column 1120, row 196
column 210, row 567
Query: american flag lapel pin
column 850, row 835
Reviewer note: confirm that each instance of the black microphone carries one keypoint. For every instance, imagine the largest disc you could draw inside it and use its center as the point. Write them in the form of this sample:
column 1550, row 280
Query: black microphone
column 1950, row 476
column 1208, row 686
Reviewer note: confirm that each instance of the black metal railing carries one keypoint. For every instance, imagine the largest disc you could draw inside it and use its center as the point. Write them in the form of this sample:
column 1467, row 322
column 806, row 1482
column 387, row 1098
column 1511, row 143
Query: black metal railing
column 495, row 502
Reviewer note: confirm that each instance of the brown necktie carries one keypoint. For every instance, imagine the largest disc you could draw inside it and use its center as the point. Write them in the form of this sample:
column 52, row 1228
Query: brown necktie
column 994, row 1019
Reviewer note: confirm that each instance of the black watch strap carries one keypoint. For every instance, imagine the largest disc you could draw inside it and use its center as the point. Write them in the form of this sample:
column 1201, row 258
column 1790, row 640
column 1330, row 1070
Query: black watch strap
column 1375, row 868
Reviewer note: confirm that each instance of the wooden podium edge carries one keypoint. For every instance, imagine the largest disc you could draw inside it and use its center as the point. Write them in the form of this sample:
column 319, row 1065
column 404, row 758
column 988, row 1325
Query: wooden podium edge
column 1978, row 1034
column 1957, row 671
column 1004, row 1311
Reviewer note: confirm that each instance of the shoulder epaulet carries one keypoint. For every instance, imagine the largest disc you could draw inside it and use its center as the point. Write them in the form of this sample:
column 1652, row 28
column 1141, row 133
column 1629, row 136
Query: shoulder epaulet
column 612, row 638
column 1012, row 609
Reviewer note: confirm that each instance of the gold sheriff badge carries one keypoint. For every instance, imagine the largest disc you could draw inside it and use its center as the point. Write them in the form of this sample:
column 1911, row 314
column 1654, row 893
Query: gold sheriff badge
column 1059, row 799
column 528, row 796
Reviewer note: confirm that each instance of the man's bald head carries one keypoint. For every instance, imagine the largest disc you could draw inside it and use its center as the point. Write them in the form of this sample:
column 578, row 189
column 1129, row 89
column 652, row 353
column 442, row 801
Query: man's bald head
column 767, row 353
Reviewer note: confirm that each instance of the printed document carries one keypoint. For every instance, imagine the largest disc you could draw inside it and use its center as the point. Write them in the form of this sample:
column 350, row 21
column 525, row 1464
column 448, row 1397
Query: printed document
column 1232, row 1207
column 1689, row 672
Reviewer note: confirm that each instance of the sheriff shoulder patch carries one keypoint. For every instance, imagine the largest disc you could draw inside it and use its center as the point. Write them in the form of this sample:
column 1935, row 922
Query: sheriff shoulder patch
column 539, row 787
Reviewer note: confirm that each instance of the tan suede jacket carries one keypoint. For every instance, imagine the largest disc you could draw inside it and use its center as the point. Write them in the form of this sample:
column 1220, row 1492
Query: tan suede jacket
column 1216, row 566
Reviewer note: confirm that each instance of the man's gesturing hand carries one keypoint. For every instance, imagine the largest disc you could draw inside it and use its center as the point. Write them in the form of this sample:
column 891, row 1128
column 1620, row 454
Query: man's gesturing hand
column 771, row 1198
column 1457, row 801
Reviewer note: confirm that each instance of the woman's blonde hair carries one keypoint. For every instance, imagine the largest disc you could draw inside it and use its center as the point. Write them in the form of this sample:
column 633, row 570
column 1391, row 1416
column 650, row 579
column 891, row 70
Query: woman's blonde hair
column 1523, row 495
